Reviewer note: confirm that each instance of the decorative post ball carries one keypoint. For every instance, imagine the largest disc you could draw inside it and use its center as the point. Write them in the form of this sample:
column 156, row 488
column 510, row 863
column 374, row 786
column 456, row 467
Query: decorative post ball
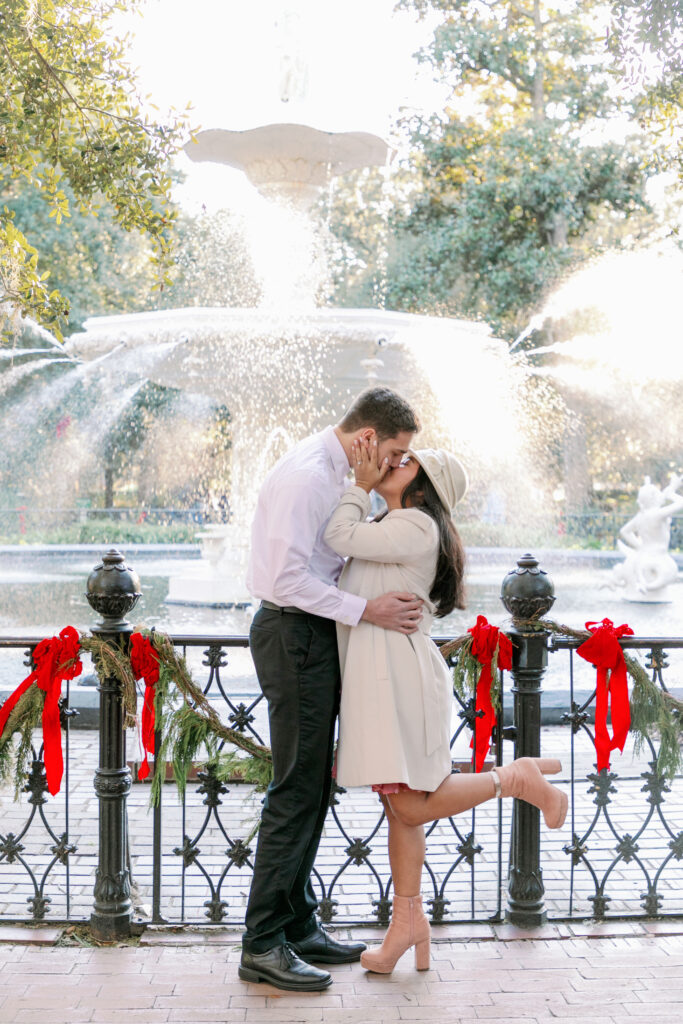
column 112, row 590
column 528, row 592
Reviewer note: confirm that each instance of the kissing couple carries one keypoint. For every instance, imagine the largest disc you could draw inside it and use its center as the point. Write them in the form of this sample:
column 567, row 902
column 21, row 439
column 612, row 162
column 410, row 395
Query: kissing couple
column 343, row 629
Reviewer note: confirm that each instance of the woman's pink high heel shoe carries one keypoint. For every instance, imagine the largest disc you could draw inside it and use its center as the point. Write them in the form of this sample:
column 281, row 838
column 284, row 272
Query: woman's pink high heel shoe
column 408, row 927
column 524, row 779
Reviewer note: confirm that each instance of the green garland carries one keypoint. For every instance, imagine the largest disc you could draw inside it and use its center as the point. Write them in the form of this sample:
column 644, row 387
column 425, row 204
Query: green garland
column 652, row 709
column 110, row 660
column 194, row 724
column 467, row 670
column 190, row 728
column 15, row 758
column 191, row 731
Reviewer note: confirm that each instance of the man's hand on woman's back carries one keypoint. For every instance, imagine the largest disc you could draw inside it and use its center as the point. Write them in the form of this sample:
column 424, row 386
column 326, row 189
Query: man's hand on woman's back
column 400, row 611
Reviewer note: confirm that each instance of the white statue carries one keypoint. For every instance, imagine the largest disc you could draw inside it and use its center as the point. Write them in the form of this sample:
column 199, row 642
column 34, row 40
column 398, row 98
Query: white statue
column 649, row 569
column 293, row 77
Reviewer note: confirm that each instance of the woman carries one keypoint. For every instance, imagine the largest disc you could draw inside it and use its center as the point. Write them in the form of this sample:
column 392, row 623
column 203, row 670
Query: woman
column 394, row 724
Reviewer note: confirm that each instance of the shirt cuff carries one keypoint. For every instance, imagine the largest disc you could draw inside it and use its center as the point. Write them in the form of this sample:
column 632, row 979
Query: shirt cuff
column 351, row 609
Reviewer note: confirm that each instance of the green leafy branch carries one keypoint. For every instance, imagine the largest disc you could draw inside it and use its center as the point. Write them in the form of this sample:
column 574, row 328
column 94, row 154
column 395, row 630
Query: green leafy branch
column 652, row 708
column 70, row 114
column 16, row 755
column 188, row 724
column 467, row 670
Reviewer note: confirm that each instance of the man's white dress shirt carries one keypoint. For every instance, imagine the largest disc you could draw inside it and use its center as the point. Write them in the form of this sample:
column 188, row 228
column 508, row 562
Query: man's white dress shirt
column 290, row 563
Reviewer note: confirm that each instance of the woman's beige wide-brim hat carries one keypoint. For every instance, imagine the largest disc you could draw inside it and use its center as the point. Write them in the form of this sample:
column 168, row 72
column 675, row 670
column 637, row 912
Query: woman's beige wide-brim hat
column 447, row 473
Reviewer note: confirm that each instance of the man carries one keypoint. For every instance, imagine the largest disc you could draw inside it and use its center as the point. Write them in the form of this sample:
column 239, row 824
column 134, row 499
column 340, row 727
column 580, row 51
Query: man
column 294, row 646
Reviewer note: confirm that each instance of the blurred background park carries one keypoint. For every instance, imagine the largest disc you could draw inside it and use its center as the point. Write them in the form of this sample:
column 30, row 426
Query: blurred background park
column 508, row 255
column 218, row 223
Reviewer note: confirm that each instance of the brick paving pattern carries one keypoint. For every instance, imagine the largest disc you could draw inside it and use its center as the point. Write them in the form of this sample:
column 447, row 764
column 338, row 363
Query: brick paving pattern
column 625, row 979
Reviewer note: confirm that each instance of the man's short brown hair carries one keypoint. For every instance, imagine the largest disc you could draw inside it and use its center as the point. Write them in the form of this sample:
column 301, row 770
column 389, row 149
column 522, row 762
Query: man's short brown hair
column 383, row 410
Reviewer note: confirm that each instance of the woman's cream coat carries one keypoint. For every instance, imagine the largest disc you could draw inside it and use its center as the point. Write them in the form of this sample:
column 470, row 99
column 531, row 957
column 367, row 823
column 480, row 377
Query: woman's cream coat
column 394, row 722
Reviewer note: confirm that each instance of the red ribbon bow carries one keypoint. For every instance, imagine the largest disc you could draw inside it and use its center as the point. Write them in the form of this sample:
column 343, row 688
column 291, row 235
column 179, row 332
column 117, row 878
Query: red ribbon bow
column 604, row 651
column 144, row 662
column 56, row 659
column 485, row 639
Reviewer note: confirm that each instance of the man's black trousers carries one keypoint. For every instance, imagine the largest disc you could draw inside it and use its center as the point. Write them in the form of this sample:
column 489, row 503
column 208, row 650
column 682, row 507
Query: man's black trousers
column 297, row 664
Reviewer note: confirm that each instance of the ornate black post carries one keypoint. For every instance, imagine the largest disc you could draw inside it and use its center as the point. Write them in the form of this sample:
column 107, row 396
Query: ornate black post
column 527, row 592
column 112, row 590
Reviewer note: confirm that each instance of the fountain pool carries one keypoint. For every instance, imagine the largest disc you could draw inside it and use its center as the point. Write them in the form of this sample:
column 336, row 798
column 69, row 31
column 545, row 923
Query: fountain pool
column 42, row 592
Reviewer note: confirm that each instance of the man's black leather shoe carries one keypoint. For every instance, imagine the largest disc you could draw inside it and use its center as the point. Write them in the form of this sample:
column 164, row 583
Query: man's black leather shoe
column 321, row 948
column 281, row 967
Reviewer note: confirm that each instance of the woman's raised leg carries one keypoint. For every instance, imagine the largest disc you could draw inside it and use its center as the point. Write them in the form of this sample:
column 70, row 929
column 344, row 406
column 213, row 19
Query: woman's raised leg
column 523, row 778
column 457, row 793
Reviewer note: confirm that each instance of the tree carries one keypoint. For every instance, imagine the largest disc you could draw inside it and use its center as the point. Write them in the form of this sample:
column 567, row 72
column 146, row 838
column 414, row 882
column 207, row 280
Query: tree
column 646, row 32
column 72, row 127
column 509, row 182
column 100, row 266
column 127, row 435
column 505, row 213
column 646, row 38
column 166, row 449
column 105, row 269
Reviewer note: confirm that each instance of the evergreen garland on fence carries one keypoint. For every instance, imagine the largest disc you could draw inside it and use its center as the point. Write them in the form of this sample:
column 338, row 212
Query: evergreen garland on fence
column 190, row 728
column 16, row 756
column 191, row 731
column 652, row 708
column 110, row 660
column 467, row 670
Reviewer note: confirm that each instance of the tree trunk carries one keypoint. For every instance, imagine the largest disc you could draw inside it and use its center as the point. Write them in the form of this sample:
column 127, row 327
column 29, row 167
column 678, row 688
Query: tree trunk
column 538, row 98
column 108, row 485
column 557, row 235
column 578, row 485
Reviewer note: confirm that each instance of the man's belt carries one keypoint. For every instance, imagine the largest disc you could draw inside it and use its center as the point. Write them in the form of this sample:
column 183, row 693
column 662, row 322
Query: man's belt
column 287, row 609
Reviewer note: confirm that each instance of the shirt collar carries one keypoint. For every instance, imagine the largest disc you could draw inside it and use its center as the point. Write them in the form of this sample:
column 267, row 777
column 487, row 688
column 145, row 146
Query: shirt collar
column 340, row 462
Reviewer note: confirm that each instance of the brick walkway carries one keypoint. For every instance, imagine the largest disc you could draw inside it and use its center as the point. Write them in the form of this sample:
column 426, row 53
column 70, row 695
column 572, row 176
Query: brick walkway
column 630, row 975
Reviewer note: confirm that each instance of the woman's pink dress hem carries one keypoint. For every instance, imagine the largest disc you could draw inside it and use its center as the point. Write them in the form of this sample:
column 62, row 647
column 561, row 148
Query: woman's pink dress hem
column 389, row 788
column 386, row 788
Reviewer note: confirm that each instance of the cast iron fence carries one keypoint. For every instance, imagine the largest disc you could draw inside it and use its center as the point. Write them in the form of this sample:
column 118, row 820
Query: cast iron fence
column 626, row 848
column 352, row 878
column 189, row 860
column 31, row 857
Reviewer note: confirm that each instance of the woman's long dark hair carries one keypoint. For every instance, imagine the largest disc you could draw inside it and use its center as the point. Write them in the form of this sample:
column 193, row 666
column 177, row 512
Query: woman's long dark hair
column 448, row 589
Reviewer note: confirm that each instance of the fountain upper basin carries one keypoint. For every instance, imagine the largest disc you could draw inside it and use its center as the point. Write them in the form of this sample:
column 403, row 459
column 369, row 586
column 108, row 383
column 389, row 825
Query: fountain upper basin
column 226, row 353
